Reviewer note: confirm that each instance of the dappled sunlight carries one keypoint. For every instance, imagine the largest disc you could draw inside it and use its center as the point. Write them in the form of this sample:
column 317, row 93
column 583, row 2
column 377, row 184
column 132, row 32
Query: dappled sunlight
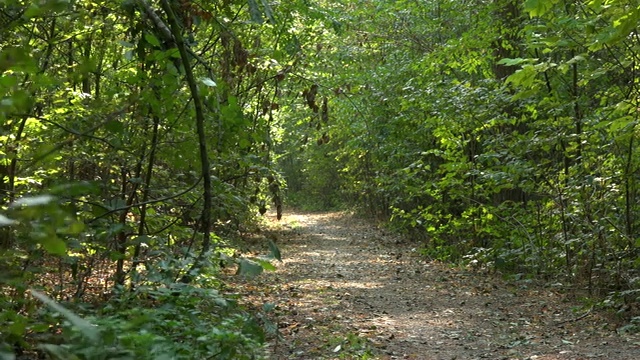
column 344, row 276
column 339, row 285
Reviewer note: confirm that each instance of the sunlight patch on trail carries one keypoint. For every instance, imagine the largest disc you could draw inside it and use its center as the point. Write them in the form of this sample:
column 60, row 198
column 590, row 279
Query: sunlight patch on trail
column 345, row 279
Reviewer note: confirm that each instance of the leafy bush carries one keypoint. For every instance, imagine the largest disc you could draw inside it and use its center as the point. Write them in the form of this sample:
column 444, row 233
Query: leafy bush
column 152, row 317
column 183, row 322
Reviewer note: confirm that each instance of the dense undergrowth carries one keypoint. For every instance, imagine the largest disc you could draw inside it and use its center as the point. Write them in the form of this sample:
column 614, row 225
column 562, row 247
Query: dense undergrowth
column 149, row 316
column 178, row 322
column 135, row 153
column 139, row 139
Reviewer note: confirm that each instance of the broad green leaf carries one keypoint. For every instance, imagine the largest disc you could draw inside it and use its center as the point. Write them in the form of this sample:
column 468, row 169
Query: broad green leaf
column 337, row 26
column 512, row 62
column 266, row 265
column 45, row 7
column 86, row 328
column 33, row 11
column 98, row 211
column 173, row 52
column 116, row 204
column 125, row 44
column 17, row 325
column 8, row 81
column 115, row 256
column 268, row 11
column 244, row 143
column 53, row 245
column 232, row 113
column 577, row 58
column 114, row 126
column 538, row 7
column 523, row 77
column 75, row 228
column 57, row 352
column 595, row 4
column 278, row 55
column 137, row 240
column 626, row 24
column 293, row 46
column 249, row 268
column 275, row 252
column 254, row 12
column 151, row 39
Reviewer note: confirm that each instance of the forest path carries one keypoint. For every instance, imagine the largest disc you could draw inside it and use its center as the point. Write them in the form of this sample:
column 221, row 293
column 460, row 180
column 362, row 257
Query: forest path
column 348, row 290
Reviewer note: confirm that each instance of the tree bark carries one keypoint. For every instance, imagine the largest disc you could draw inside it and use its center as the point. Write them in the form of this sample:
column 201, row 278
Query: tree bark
column 202, row 139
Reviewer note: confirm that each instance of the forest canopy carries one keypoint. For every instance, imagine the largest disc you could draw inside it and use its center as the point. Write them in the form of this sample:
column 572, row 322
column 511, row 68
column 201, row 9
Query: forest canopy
column 141, row 140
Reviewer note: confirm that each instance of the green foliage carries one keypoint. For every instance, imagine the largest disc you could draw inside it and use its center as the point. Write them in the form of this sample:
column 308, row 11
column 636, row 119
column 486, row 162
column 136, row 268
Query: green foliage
column 539, row 7
column 351, row 346
column 158, row 320
column 102, row 183
column 165, row 323
column 503, row 134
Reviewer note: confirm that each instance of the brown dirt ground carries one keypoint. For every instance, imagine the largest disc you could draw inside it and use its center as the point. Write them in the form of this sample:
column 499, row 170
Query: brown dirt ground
column 349, row 290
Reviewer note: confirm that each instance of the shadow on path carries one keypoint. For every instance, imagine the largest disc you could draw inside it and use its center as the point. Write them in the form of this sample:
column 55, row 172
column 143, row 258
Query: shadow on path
column 347, row 290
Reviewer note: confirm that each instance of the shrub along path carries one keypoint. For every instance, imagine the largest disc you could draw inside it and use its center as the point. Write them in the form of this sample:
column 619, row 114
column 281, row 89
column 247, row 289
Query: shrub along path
column 348, row 290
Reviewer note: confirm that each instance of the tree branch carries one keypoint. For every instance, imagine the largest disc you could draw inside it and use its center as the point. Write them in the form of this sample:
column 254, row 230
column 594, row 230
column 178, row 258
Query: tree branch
column 202, row 138
column 167, row 34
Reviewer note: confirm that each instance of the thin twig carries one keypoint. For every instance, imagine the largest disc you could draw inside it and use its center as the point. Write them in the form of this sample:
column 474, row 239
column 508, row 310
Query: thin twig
column 575, row 319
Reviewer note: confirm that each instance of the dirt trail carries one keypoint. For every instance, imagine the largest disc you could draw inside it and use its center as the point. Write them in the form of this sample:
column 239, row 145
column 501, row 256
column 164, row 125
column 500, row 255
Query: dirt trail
column 347, row 290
